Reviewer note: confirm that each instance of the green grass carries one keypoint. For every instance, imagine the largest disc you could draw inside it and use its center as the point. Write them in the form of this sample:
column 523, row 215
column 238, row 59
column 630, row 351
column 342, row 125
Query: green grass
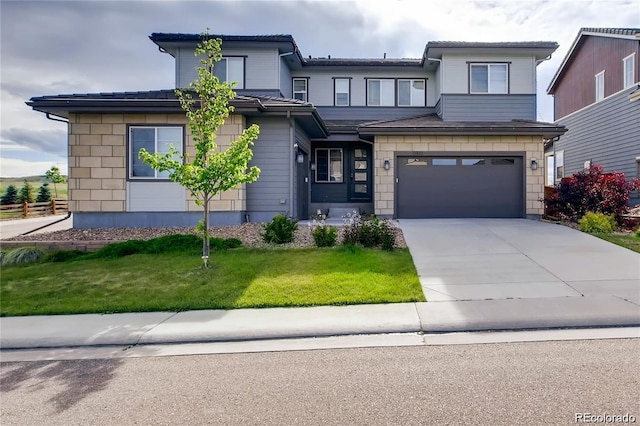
column 241, row 278
column 627, row 241
column 36, row 181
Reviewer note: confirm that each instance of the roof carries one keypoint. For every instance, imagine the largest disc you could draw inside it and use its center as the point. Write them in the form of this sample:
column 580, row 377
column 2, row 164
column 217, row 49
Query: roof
column 277, row 38
column 434, row 125
column 165, row 101
column 366, row 62
column 542, row 49
column 625, row 33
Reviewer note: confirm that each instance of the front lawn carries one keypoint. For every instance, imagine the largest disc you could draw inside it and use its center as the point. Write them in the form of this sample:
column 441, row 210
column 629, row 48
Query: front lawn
column 240, row 278
column 628, row 241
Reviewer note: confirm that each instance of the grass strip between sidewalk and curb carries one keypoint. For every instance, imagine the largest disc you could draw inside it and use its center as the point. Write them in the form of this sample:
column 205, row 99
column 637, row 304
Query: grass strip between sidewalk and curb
column 239, row 278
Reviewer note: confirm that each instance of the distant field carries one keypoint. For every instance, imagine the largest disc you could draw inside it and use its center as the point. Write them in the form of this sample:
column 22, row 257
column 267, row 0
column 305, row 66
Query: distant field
column 37, row 182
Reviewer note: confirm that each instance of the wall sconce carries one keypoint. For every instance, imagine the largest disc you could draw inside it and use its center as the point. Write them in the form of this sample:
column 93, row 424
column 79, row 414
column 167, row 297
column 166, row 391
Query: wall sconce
column 386, row 165
column 300, row 158
column 312, row 165
column 534, row 164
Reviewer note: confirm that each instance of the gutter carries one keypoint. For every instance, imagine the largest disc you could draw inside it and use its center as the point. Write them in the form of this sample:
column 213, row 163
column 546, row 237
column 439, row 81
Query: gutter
column 48, row 224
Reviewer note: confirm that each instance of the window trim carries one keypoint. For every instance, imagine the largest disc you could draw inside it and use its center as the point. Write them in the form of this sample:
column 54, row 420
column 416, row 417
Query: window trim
column 625, row 76
column 599, row 88
column 129, row 153
column 556, row 176
column 244, row 69
column 488, row 64
column 549, row 167
column 306, row 88
column 335, row 91
column 315, row 161
column 411, row 80
column 368, row 79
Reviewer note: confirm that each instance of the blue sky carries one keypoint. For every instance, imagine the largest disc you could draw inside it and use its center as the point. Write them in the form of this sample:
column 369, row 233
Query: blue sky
column 54, row 47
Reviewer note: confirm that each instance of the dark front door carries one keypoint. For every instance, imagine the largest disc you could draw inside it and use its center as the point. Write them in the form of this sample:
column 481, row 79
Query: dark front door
column 302, row 193
column 360, row 179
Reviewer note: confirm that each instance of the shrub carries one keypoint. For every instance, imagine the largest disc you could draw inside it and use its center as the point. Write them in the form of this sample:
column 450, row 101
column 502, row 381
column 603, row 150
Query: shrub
column 224, row 244
column 593, row 191
column 638, row 232
column 325, row 235
column 174, row 243
column 26, row 194
column 44, row 194
column 10, row 196
column 22, row 255
column 64, row 255
column 280, row 230
column 121, row 249
column 371, row 232
column 597, row 223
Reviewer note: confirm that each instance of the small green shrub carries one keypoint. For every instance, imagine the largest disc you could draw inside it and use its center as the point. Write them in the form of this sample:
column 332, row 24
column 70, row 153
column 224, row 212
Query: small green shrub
column 280, row 230
column 370, row 232
column 64, row 255
column 597, row 223
column 638, row 232
column 120, row 249
column 325, row 235
column 174, row 243
column 232, row 243
column 224, row 244
column 22, row 255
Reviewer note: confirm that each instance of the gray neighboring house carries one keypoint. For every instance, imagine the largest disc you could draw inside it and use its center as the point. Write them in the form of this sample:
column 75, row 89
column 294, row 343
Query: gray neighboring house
column 449, row 134
column 596, row 94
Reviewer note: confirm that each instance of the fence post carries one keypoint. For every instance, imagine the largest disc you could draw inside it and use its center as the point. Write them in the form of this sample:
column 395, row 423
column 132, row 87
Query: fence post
column 53, row 206
column 25, row 209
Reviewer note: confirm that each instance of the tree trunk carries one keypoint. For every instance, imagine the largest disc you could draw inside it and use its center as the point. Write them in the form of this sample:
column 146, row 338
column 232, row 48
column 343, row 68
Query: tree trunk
column 205, row 236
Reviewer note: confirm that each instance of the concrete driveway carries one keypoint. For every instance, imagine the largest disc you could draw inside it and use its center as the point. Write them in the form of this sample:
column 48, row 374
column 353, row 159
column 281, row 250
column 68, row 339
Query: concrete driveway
column 494, row 259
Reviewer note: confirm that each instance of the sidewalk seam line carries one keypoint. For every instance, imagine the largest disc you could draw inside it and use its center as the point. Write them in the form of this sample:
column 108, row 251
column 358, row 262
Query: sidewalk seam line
column 152, row 328
column 420, row 328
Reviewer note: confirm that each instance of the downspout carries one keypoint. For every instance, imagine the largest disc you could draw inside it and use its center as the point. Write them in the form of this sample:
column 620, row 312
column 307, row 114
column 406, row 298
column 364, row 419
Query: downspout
column 291, row 163
column 48, row 115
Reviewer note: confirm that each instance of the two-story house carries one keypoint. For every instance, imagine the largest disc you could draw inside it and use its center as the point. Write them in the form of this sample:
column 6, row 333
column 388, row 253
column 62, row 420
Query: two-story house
column 597, row 98
column 450, row 134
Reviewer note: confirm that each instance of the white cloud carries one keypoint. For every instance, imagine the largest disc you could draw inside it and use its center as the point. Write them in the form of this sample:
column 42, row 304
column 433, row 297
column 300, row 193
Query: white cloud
column 13, row 167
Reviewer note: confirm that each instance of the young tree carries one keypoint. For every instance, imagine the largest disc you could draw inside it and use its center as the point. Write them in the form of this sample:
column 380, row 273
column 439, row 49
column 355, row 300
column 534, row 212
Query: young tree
column 44, row 194
column 26, row 193
column 210, row 171
column 10, row 196
column 53, row 175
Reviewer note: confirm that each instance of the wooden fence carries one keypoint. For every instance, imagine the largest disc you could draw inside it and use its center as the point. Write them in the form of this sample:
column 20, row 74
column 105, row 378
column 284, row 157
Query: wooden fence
column 15, row 211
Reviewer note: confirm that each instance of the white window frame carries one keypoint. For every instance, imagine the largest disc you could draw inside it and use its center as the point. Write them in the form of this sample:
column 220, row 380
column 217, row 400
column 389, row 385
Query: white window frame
column 335, row 178
column 628, row 77
column 490, row 90
column 599, row 86
column 558, row 165
column 304, row 93
column 134, row 155
column 336, row 82
column 550, row 170
column 225, row 61
column 420, row 100
column 387, row 100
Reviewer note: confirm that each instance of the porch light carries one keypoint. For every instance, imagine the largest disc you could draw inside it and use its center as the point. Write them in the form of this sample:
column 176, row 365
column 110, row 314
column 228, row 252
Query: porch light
column 300, row 158
column 387, row 165
column 534, row 164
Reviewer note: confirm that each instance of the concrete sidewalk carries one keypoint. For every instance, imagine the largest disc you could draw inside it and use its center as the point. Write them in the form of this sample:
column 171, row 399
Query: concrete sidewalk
column 282, row 323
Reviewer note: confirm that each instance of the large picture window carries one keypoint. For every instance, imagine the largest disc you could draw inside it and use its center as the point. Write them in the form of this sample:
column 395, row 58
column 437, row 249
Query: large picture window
column 329, row 165
column 231, row 70
column 153, row 139
column 411, row 93
column 489, row 78
column 380, row 92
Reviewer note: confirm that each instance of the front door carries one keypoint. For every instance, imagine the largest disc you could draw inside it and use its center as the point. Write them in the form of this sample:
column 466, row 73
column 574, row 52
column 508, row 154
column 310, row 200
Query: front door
column 360, row 179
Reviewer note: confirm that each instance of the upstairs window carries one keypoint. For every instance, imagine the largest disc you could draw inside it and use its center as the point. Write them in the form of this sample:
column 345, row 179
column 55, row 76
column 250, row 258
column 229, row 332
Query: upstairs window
column 380, row 92
column 231, row 70
column 411, row 93
column 329, row 165
column 489, row 78
column 300, row 89
column 600, row 86
column 153, row 139
column 628, row 67
column 342, row 91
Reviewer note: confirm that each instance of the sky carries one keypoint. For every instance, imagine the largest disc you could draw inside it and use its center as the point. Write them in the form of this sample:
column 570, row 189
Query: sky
column 56, row 47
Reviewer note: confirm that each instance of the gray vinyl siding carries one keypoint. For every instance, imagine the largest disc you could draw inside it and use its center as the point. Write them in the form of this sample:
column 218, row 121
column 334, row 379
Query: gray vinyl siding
column 371, row 113
column 286, row 82
column 605, row 133
column 488, row 107
column 522, row 72
column 271, row 153
column 439, row 107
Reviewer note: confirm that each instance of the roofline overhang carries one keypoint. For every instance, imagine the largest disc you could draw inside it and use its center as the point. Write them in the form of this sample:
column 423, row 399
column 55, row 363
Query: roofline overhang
column 546, row 133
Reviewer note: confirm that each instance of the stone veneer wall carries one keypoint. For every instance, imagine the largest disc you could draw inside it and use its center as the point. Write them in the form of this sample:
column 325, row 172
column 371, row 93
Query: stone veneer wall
column 98, row 155
column 385, row 147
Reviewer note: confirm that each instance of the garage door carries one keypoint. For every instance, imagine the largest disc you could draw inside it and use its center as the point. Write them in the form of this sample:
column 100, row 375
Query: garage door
column 459, row 186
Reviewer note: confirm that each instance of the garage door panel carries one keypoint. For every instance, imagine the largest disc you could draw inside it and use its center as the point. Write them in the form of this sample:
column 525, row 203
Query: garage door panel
column 466, row 187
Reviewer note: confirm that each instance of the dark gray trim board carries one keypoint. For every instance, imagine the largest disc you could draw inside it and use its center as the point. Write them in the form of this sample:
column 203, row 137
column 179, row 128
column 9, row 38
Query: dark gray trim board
column 489, row 107
column 85, row 220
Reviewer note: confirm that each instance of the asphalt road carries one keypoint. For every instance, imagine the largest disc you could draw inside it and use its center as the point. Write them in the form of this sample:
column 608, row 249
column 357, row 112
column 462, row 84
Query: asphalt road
column 489, row 384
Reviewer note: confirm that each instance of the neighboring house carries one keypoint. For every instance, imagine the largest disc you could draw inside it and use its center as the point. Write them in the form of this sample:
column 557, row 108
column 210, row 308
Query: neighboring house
column 597, row 98
column 450, row 134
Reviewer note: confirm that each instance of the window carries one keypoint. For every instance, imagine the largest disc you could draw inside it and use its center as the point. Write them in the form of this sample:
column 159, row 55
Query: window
column 329, row 165
column 230, row 70
column 549, row 170
column 380, row 92
column 628, row 67
column 342, row 91
column 559, row 165
column 153, row 139
column 300, row 89
column 489, row 78
column 411, row 93
column 599, row 86
column 444, row 162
